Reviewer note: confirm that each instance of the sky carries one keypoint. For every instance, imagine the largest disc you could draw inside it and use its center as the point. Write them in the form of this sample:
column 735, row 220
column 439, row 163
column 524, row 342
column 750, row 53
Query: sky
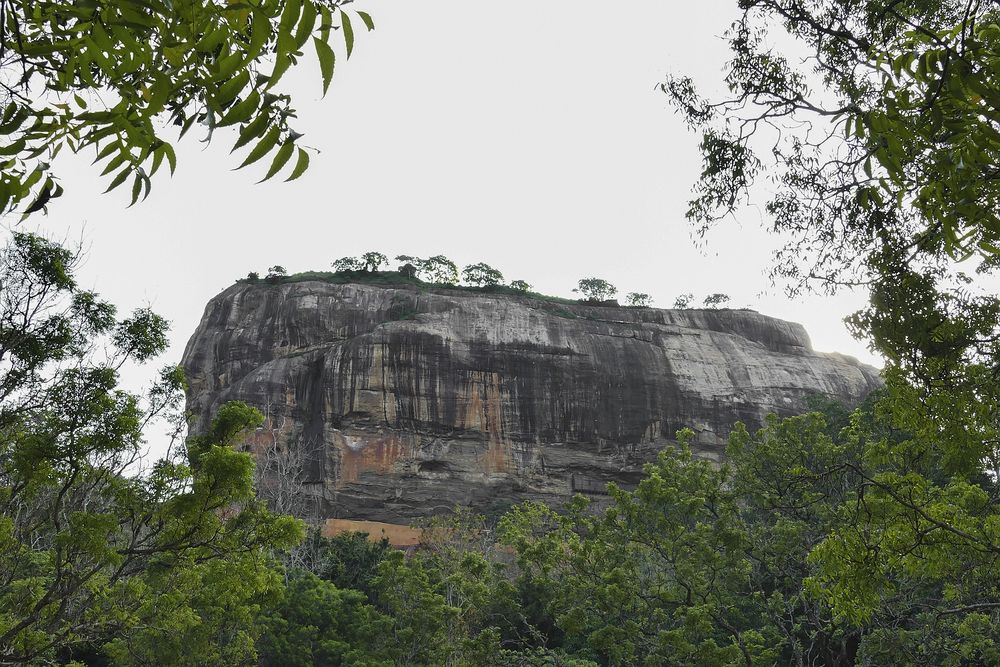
column 530, row 136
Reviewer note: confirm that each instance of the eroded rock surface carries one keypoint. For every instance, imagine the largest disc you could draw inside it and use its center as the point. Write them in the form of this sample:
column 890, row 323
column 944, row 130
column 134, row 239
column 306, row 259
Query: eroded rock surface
column 405, row 402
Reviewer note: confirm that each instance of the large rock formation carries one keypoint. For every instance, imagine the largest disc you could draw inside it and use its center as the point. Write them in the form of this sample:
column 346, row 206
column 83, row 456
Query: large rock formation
column 406, row 401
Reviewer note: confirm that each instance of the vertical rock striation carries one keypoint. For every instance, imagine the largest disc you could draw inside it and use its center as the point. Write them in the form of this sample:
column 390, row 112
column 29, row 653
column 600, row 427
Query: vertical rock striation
column 406, row 401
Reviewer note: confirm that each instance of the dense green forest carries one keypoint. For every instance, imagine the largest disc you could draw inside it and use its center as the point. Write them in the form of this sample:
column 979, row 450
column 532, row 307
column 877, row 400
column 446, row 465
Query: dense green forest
column 868, row 537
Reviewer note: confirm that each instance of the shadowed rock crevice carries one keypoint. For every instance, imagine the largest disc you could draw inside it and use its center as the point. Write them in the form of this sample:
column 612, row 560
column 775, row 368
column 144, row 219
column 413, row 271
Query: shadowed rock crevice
column 411, row 400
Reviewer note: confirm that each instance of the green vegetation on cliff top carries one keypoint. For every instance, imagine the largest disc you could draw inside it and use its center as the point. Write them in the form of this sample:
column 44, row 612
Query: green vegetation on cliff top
column 397, row 279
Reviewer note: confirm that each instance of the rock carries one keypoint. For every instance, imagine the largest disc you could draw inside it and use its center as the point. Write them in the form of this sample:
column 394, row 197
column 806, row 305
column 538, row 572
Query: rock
column 404, row 401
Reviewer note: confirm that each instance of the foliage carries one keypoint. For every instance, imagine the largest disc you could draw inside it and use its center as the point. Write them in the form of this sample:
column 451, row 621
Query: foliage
column 683, row 301
column 788, row 553
column 520, row 285
column 253, row 276
column 94, row 547
column 898, row 110
column 437, row 269
column 348, row 264
column 319, row 623
column 716, row 300
column 482, row 275
column 110, row 76
column 200, row 613
column 453, row 602
column 372, row 261
column 658, row 579
column 881, row 123
column 702, row 565
column 596, row 289
column 349, row 560
column 638, row 300
column 276, row 271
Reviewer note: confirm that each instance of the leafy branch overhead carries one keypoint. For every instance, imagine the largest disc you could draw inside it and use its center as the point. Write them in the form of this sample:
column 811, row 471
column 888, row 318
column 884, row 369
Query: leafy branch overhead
column 122, row 77
column 883, row 129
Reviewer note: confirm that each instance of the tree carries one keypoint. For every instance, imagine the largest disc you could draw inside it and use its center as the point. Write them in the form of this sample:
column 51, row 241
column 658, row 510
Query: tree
column 520, row 285
column 111, row 76
column 407, row 270
column 409, row 259
column 716, row 300
column 884, row 150
column 92, row 540
column 596, row 289
column 350, row 560
column 638, row 300
column 482, row 275
column 440, row 269
column 706, row 564
column 683, row 301
column 436, row 269
column 317, row 623
column 901, row 105
column 276, row 273
column 208, row 614
column 253, row 276
column 348, row 264
column 657, row 579
column 371, row 261
column 280, row 474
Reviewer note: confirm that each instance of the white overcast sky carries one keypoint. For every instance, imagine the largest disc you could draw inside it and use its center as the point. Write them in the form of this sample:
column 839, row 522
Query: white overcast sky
column 528, row 135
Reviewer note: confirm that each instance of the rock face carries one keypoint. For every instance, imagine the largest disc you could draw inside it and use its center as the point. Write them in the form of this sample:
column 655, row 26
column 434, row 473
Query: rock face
column 402, row 402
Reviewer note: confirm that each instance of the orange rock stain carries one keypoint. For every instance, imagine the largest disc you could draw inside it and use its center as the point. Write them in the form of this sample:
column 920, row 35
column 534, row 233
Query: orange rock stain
column 485, row 413
column 368, row 453
column 398, row 535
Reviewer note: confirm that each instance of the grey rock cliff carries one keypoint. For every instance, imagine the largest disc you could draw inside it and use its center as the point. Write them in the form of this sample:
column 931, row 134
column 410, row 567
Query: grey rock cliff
column 407, row 401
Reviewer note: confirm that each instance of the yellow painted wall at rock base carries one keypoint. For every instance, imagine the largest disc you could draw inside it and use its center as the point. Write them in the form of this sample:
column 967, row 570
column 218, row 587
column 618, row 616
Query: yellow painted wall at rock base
column 398, row 535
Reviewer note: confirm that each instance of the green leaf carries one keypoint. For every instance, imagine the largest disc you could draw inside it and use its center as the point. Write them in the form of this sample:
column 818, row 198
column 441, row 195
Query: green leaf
column 33, row 178
column 42, row 199
column 119, row 179
column 260, row 27
column 14, row 148
column 989, row 247
column 306, row 24
column 242, row 111
column 227, row 66
column 280, row 159
column 256, row 128
column 15, row 121
column 301, row 164
column 281, row 64
column 168, row 150
column 118, row 161
column 289, row 15
column 230, row 89
column 325, row 23
column 345, row 21
column 327, row 60
column 367, row 18
column 136, row 190
column 158, row 154
column 263, row 147
column 186, row 125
